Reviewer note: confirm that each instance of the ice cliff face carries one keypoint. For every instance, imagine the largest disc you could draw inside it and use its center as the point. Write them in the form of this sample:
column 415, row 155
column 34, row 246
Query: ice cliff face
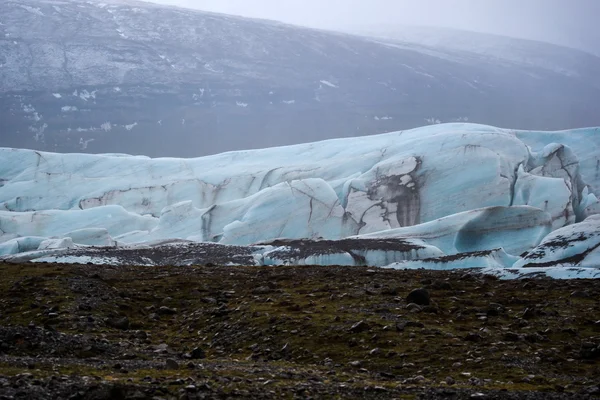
column 121, row 76
column 443, row 190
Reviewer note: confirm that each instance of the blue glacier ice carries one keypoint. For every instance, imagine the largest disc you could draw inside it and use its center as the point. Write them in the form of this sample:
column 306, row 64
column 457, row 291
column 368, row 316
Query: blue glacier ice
column 450, row 189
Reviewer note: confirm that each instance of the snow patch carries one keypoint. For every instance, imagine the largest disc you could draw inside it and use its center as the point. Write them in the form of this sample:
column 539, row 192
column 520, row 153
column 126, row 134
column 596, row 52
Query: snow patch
column 433, row 121
column 84, row 143
column 33, row 10
column 327, row 83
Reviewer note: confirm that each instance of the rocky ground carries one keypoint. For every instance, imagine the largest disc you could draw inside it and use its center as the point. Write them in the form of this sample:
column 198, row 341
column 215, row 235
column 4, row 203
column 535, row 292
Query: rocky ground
column 88, row 332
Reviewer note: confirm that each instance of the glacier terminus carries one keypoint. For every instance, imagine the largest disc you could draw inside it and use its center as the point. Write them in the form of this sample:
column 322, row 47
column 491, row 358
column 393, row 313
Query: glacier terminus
column 443, row 196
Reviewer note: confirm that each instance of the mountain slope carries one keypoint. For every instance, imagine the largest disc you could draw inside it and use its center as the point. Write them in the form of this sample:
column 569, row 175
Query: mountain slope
column 123, row 76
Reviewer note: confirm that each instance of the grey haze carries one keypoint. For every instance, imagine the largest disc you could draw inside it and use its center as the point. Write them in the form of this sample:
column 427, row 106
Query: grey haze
column 570, row 23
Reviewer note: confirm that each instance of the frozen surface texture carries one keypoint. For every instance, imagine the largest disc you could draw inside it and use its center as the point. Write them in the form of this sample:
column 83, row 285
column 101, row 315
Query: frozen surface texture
column 465, row 194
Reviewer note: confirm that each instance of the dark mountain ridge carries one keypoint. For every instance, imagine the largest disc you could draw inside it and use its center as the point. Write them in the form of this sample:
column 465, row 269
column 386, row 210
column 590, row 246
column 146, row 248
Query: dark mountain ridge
column 142, row 78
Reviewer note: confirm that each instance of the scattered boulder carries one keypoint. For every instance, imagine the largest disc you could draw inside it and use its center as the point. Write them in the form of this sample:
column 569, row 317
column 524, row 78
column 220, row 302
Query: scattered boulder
column 589, row 351
column 197, row 354
column 164, row 310
column 580, row 294
column 402, row 325
column 473, row 337
column 375, row 352
column 511, row 337
column 171, row 364
column 119, row 323
column 440, row 285
column 262, row 290
column 430, row 310
column 419, row 296
column 387, row 291
column 529, row 313
column 412, row 307
column 358, row 327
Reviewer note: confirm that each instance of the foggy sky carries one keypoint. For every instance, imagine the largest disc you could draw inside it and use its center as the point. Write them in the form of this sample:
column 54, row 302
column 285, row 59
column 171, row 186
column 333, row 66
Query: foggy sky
column 566, row 22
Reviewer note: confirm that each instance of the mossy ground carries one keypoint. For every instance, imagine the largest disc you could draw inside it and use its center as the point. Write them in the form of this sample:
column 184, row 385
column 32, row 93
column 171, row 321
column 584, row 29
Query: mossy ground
column 288, row 331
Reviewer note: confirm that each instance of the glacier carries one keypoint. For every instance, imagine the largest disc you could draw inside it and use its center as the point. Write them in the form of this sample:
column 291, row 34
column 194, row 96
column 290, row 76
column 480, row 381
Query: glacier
column 441, row 196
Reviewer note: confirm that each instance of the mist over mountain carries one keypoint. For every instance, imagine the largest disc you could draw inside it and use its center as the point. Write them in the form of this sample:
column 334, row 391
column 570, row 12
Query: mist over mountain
column 141, row 78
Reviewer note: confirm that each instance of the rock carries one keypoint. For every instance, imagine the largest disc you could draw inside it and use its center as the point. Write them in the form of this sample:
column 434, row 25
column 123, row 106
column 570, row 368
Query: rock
column 430, row 310
column 529, row 313
column 473, row 337
column 492, row 312
column 592, row 390
column 128, row 356
column 416, row 379
column 395, row 291
column 419, row 296
column 171, row 364
column 511, row 337
column 161, row 348
column 580, row 294
column 534, row 338
column 441, row 285
column 262, row 290
column 358, row 327
column 496, row 306
column 450, row 381
column 387, row 375
column 589, row 351
column 412, row 307
column 119, row 323
column 355, row 364
column 401, row 325
column 376, row 351
column 197, row 354
column 141, row 335
column 164, row 310
column 414, row 324
column 209, row 300
column 479, row 396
